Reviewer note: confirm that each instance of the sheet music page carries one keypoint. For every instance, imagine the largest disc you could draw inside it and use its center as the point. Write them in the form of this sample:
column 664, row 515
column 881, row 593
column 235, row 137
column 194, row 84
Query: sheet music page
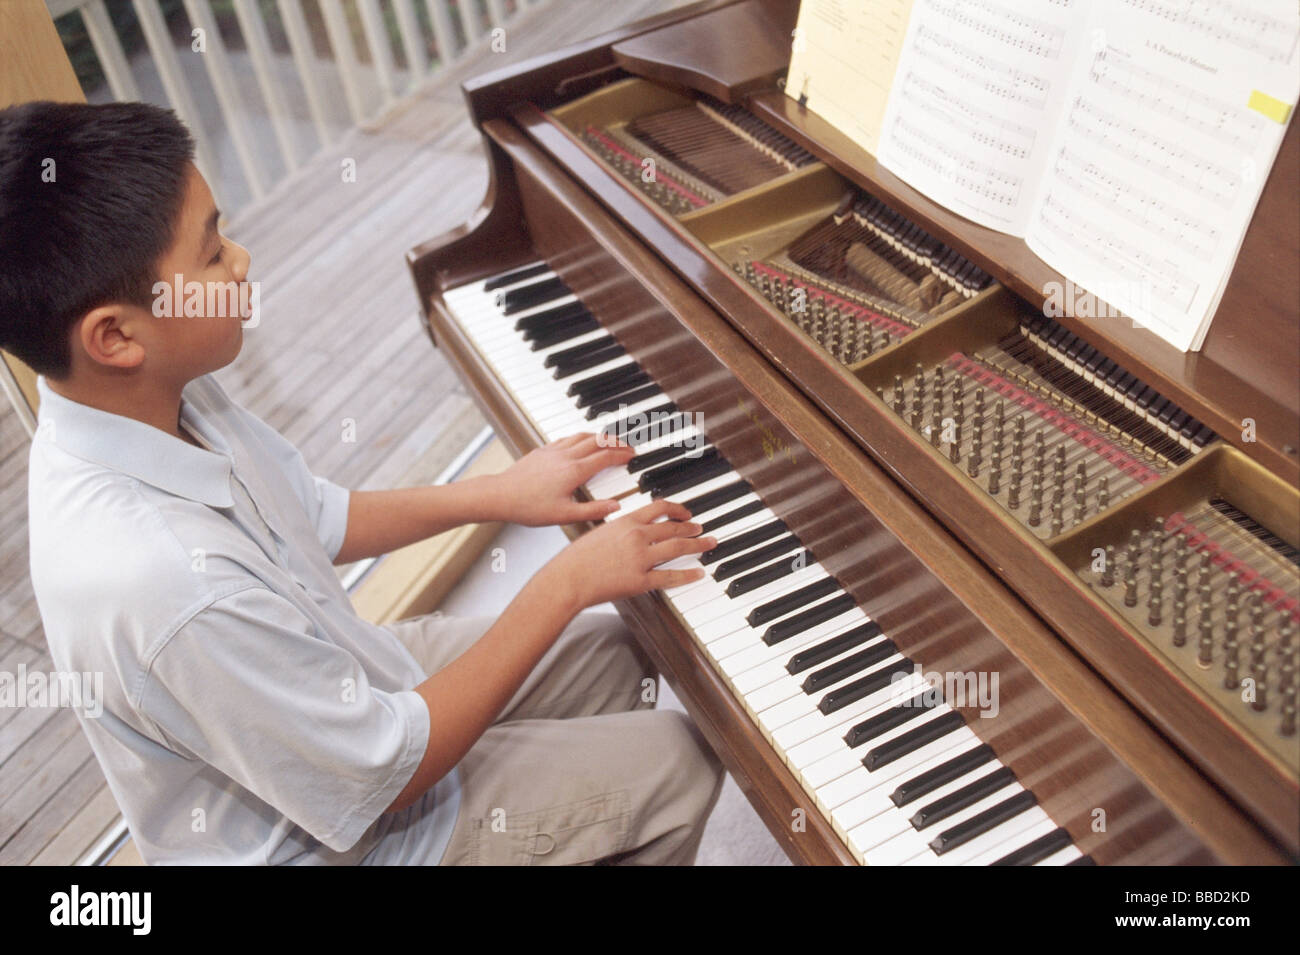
column 975, row 99
column 1174, row 119
column 843, row 61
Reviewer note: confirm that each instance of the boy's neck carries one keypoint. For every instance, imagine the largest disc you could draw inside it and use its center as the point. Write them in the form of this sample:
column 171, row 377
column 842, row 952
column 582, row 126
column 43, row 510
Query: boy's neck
column 154, row 403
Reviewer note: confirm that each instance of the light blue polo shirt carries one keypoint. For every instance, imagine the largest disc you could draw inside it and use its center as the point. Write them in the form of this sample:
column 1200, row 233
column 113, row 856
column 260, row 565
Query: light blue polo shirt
column 249, row 715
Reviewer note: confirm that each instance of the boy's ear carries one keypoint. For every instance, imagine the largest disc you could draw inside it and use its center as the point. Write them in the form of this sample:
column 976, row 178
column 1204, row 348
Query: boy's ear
column 107, row 336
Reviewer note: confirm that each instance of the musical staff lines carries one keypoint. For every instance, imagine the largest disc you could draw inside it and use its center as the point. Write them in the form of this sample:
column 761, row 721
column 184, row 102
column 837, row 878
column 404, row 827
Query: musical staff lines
column 1225, row 122
column 1013, row 29
column 982, row 127
column 923, row 148
column 1172, row 161
column 1245, row 26
column 993, row 76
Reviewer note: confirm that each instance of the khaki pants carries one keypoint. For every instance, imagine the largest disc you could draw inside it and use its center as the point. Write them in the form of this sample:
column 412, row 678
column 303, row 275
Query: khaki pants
column 578, row 768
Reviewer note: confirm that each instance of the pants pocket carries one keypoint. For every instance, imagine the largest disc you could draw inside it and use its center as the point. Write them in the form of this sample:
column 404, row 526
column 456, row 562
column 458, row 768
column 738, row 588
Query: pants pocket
column 572, row 834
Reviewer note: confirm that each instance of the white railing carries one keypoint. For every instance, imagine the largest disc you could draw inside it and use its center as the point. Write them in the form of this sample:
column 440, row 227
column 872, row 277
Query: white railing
column 295, row 92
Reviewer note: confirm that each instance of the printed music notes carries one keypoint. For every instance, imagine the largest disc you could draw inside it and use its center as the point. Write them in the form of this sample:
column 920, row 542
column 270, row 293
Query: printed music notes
column 1127, row 141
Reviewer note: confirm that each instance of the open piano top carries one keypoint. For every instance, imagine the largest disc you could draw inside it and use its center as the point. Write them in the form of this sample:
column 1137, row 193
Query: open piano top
column 1067, row 503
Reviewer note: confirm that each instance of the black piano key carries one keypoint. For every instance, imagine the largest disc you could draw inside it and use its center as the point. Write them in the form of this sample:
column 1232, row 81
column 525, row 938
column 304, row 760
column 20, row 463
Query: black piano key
column 1203, row 435
column 1148, row 395
column 1135, row 389
column 920, row 786
column 808, row 619
column 566, row 355
column 755, row 558
column 789, row 603
column 657, row 428
column 690, row 477
column 960, row 799
column 886, row 720
column 619, row 384
column 593, row 358
column 694, row 473
column 733, row 515
column 625, row 428
column 909, row 742
column 649, row 459
column 765, row 575
column 873, row 682
column 1038, row 850
column 561, row 332
column 1093, row 361
column 614, row 403
column 515, row 275
column 604, row 379
column 531, row 295
column 833, row 647
column 743, row 541
column 841, row 670
column 1109, row 372
column 675, row 469
column 990, row 818
column 1188, row 430
column 538, row 321
column 1177, row 421
column 717, row 497
column 1083, row 860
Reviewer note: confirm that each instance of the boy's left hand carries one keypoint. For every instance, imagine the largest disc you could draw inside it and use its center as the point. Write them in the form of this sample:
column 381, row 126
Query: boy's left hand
column 538, row 488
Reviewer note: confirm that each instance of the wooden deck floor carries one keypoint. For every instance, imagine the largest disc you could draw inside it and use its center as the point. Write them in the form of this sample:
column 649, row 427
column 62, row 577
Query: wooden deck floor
column 339, row 351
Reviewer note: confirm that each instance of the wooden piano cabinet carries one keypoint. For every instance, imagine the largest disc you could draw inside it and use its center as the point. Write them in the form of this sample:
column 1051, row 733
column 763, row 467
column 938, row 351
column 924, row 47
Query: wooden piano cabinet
column 1064, row 732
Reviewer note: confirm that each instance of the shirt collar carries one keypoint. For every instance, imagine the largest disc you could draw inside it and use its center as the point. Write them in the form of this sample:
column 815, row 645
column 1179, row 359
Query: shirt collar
column 138, row 449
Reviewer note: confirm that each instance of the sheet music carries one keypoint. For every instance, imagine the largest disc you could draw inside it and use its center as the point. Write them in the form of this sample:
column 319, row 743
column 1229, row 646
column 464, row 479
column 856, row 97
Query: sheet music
column 975, row 95
column 843, row 61
column 1174, row 118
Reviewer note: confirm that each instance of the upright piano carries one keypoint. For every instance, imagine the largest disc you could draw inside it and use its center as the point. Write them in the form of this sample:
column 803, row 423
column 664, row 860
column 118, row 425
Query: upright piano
column 991, row 586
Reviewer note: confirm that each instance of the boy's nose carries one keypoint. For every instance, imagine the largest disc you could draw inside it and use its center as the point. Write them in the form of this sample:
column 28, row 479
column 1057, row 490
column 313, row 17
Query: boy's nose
column 240, row 261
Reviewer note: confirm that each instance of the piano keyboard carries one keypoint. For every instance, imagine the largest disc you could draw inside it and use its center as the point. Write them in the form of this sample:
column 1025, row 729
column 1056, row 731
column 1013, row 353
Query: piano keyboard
column 895, row 769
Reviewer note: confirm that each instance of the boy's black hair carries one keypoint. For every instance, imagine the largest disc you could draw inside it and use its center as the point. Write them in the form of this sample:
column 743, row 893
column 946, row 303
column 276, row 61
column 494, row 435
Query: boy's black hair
column 89, row 199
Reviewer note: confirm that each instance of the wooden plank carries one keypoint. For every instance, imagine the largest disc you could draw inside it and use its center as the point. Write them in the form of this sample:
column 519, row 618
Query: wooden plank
column 78, row 836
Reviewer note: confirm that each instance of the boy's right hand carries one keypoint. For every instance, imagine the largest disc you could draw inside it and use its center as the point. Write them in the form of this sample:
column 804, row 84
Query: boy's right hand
column 617, row 559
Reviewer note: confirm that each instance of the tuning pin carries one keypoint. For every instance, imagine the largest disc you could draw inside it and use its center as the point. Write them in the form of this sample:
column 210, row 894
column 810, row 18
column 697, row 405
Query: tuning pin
column 1057, row 518
column 936, row 425
column 954, row 449
column 1040, row 453
column 1035, row 502
column 1108, row 567
column 1103, row 493
column 1153, row 603
column 898, row 395
column 1130, row 584
column 1180, row 584
column 979, row 402
column 1180, row 623
column 1013, row 489
column 1231, row 661
column 1058, row 466
column 1134, row 545
column 1287, row 726
column 1259, row 673
column 885, row 339
column 1205, row 646
column 1180, row 552
column 995, row 471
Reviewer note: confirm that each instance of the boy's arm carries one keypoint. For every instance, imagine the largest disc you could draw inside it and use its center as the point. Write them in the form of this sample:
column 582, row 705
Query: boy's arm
column 613, row 561
column 536, row 490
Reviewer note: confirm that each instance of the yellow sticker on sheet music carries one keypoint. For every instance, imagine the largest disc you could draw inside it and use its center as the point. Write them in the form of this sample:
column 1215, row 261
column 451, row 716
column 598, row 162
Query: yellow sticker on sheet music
column 1274, row 109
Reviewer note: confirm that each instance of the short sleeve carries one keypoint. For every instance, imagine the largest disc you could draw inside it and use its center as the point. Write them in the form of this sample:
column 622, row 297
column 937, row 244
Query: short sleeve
column 326, row 502
column 246, row 687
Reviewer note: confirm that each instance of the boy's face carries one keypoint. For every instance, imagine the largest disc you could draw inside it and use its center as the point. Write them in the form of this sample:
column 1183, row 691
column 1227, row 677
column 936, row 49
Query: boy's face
column 198, row 330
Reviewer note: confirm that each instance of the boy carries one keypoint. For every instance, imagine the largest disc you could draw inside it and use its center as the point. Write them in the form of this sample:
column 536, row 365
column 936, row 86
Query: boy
column 181, row 548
